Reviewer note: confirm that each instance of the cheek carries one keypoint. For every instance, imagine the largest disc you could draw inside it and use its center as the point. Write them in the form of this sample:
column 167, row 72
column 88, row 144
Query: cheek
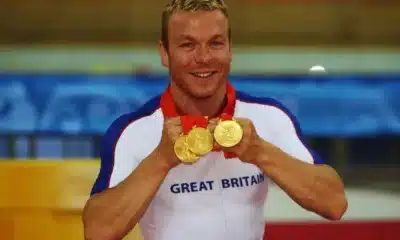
column 180, row 60
column 224, row 57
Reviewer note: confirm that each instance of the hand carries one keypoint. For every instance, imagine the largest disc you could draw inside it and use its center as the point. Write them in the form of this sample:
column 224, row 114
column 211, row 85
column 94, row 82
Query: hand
column 172, row 129
column 249, row 147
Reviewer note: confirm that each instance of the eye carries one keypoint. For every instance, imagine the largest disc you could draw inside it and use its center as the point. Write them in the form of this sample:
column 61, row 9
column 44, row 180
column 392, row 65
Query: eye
column 186, row 45
column 216, row 43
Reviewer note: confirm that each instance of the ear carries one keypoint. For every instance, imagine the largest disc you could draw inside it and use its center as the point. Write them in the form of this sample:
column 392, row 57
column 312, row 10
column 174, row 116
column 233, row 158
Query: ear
column 163, row 54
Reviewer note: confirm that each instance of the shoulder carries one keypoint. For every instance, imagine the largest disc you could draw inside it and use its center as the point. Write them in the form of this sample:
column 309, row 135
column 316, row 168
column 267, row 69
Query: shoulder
column 272, row 116
column 131, row 120
column 121, row 142
column 267, row 108
column 262, row 101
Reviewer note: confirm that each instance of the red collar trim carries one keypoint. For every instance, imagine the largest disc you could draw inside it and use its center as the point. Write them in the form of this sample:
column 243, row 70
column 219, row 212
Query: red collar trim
column 169, row 109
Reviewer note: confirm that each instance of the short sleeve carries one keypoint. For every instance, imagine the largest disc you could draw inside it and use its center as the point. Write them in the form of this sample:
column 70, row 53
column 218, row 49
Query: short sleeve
column 118, row 150
column 116, row 156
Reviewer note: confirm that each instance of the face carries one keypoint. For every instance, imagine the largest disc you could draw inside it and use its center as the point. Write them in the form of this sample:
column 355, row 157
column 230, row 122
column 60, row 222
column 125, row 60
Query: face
column 199, row 52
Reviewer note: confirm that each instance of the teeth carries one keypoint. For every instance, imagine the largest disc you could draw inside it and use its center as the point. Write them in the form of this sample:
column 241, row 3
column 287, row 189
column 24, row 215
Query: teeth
column 202, row 75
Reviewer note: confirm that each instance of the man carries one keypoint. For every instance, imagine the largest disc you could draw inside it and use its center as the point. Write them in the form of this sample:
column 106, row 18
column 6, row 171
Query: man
column 142, row 180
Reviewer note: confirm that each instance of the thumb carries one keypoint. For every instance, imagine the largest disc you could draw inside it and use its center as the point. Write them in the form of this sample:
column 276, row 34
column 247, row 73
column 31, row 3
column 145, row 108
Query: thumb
column 212, row 124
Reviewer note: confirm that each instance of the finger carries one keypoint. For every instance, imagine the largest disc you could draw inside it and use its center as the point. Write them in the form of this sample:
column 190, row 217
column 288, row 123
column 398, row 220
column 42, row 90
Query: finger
column 214, row 121
column 175, row 121
column 212, row 124
column 241, row 122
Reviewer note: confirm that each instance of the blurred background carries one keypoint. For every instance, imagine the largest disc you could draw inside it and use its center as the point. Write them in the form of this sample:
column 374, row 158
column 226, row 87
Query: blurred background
column 69, row 68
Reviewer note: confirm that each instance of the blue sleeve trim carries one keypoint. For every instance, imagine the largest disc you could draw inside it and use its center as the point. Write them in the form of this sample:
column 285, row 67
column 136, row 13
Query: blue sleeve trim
column 111, row 138
column 272, row 102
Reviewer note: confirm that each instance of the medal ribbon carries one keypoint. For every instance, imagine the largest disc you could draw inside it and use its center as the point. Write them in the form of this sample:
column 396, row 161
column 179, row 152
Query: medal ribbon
column 188, row 122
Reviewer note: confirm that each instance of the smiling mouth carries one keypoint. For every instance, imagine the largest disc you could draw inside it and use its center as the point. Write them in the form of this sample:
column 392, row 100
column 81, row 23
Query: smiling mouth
column 203, row 74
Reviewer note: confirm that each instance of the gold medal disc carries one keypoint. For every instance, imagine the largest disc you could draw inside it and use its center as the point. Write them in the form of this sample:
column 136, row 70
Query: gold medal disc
column 182, row 150
column 228, row 133
column 200, row 141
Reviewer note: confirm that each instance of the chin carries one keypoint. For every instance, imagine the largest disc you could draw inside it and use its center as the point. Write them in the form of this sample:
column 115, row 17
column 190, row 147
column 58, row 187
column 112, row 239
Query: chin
column 205, row 88
column 202, row 93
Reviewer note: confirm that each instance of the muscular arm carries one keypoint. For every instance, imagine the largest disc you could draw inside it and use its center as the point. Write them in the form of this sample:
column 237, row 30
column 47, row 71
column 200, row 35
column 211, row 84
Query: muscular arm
column 317, row 188
column 111, row 214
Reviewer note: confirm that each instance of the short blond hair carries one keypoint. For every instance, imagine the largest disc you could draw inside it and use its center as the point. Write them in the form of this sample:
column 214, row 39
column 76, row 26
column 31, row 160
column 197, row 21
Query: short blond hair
column 189, row 5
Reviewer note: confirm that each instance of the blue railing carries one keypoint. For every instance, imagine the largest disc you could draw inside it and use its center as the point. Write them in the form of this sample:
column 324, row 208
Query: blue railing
column 331, row 105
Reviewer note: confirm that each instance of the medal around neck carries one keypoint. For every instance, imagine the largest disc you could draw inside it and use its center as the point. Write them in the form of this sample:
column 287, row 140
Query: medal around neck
column 183, row 152
column 200, row 141
column 228, row 133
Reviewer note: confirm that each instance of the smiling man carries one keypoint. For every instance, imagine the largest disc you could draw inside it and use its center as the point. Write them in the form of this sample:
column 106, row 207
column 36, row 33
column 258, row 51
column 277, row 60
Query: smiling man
column 221, row 196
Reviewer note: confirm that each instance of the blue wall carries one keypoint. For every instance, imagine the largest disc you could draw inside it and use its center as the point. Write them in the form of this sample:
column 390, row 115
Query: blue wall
column 331, row 105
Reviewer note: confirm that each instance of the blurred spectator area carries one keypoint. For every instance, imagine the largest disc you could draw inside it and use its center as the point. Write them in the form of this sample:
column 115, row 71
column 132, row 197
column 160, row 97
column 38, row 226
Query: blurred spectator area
column 265, row 22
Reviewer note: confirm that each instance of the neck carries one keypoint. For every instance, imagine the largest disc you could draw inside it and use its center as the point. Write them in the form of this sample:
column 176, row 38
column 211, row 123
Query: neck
column 190, row 105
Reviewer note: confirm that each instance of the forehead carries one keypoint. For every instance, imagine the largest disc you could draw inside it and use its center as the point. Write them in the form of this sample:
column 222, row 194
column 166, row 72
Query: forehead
column 198, row 23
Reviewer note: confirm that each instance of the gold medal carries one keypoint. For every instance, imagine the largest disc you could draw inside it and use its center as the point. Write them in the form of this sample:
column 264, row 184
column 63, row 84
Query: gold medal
column 228, row 133
column 182, row 150
column 200, row 141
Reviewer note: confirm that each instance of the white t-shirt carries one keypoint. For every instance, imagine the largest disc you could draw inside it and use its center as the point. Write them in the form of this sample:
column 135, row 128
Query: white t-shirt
column 213, row 199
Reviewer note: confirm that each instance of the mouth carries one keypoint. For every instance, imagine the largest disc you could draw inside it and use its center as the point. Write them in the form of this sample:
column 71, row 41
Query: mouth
column 203, row 74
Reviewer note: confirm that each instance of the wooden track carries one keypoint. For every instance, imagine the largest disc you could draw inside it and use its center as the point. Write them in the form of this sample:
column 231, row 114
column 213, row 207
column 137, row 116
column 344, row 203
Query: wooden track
column 44, row 199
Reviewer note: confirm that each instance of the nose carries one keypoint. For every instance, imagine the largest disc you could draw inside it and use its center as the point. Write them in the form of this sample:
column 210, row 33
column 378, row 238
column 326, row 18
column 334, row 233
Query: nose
column 203, row 54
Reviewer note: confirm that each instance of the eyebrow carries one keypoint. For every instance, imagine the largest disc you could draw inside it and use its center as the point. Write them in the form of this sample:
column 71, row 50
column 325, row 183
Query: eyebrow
column 185, row 36
column 217, row 36
column 189, row 37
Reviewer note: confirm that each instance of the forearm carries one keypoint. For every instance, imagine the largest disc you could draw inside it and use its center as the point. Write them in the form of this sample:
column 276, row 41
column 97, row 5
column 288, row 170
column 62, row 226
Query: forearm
column 114, row 212
column 317, row 188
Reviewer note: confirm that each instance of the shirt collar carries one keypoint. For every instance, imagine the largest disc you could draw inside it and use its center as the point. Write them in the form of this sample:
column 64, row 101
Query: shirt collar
column 169, row 109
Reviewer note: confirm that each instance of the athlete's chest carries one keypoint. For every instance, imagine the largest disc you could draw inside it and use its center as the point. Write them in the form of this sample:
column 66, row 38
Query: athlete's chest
column 211, row 180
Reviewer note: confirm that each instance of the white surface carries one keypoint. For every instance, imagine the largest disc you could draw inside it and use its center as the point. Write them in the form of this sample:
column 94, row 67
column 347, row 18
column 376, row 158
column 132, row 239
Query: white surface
column 363, row 205
column 317, row 69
